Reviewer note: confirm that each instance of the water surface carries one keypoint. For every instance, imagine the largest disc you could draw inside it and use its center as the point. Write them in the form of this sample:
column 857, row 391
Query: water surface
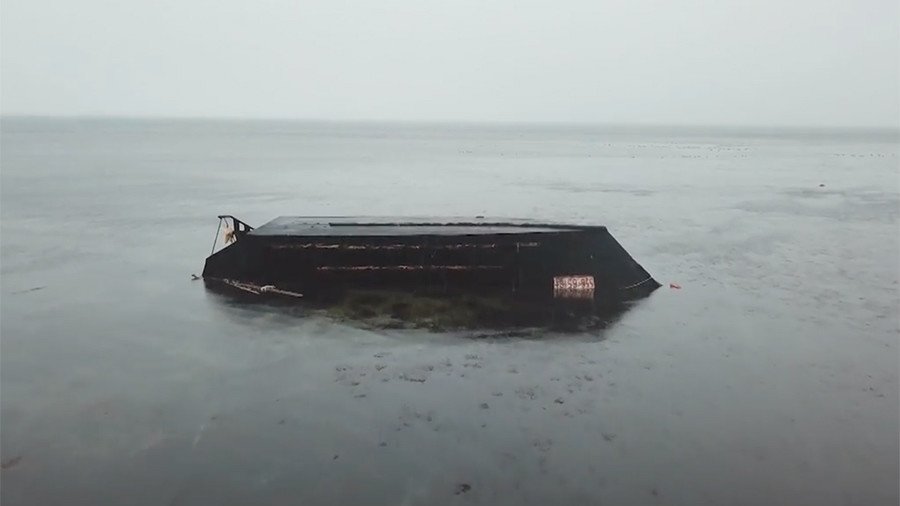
column 771, row 377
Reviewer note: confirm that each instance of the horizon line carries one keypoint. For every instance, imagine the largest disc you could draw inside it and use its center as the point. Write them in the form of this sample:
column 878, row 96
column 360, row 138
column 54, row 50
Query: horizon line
column 481, row 122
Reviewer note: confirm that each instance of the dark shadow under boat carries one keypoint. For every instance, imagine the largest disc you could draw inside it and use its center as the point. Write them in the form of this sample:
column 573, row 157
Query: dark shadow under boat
column 385, row 309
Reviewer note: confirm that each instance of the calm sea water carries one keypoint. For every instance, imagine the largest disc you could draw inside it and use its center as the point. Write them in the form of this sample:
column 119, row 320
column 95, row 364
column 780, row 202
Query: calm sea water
column 771, row 377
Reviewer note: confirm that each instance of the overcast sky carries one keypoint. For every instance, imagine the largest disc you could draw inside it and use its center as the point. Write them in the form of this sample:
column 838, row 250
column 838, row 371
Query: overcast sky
column 751, row 62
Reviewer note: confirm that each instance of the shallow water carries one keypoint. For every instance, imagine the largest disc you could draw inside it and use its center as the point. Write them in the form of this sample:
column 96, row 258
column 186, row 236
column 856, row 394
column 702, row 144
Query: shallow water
column 771, row 377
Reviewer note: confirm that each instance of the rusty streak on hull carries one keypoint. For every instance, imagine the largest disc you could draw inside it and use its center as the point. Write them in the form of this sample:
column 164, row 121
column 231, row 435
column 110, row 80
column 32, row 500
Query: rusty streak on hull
column 408, row 267
column 373, row 247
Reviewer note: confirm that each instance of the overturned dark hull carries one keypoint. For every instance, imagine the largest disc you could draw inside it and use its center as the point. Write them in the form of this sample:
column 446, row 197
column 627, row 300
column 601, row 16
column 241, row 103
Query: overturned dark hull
column 324, row 258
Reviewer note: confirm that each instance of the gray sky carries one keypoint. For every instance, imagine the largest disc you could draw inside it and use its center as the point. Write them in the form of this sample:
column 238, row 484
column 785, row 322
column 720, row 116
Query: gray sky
column 752, row 62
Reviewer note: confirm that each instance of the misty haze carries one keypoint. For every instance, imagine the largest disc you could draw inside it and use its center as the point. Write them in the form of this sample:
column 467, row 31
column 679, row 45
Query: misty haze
column 573, row 253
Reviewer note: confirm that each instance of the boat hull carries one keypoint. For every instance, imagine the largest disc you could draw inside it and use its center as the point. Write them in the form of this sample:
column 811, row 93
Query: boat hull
column 533, row 262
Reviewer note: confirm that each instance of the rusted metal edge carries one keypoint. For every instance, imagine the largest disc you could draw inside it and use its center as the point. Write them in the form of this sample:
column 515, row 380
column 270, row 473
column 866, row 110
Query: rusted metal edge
column 639, row 283
column 259, row 289
column 464, row 224
column 409, row 267
column 367, row 247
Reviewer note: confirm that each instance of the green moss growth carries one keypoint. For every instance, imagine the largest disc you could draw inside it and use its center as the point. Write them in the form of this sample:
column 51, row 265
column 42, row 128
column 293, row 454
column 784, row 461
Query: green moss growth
column 445, row 312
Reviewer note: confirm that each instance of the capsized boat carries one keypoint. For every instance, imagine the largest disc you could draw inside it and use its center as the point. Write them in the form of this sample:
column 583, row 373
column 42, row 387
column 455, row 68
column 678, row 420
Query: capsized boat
column 324, row 257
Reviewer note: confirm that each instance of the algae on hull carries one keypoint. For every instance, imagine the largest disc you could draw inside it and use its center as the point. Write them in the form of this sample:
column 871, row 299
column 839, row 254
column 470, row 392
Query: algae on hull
column 395, row 309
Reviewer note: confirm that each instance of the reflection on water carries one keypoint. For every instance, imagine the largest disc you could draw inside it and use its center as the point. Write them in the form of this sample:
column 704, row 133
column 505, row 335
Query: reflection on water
column 396, row 309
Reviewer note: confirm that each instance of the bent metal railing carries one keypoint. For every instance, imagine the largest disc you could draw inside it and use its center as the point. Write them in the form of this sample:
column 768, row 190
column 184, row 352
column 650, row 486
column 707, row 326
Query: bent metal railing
column 233, row 232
